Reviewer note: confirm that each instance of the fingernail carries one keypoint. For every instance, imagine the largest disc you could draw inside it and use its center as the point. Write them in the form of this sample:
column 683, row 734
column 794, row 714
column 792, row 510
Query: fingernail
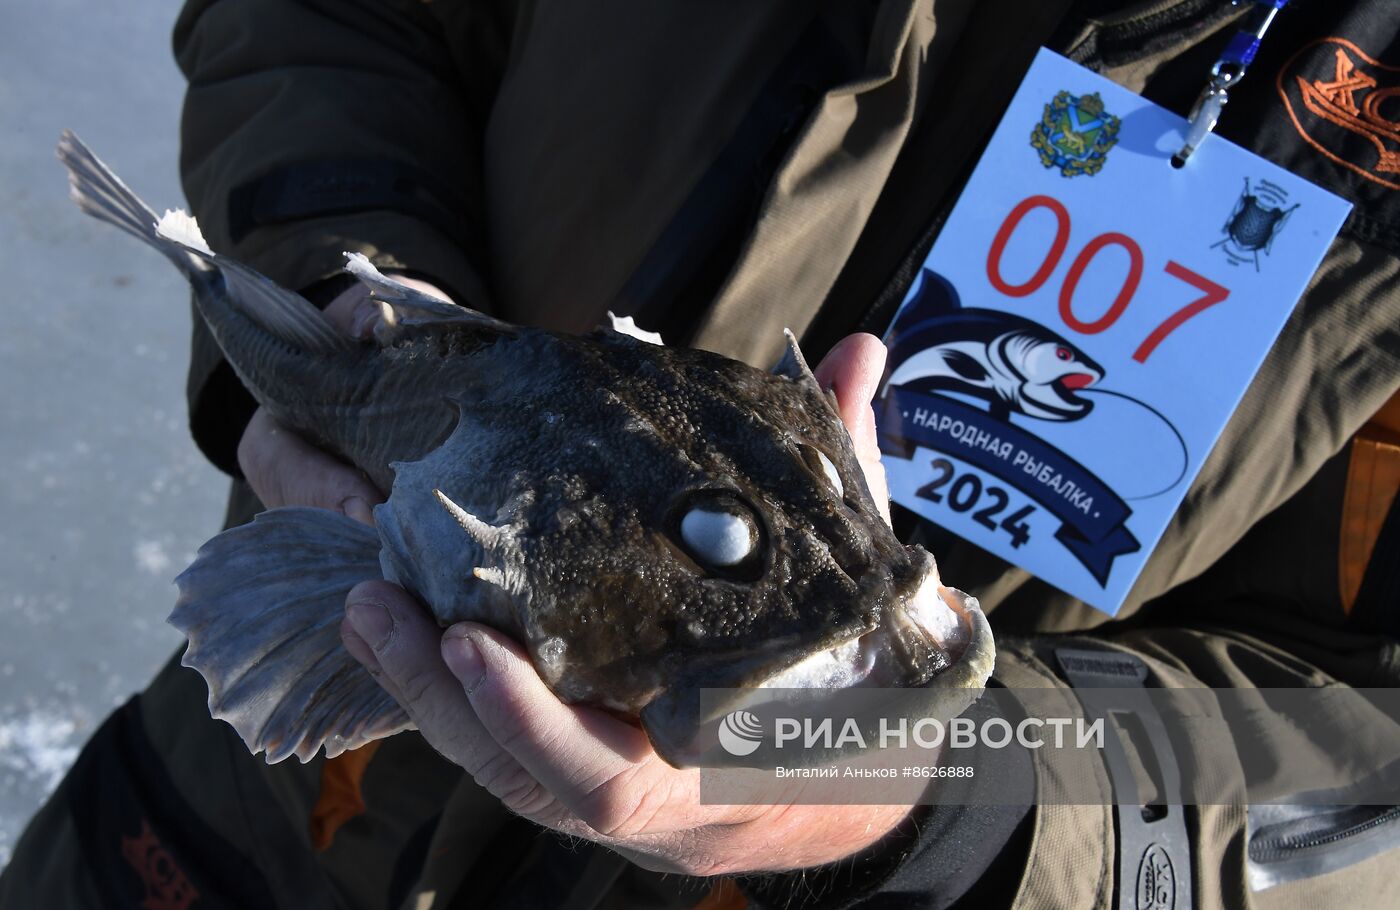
column 463, row 658
column 372, row 622
column 357, row 646
column 356, row 508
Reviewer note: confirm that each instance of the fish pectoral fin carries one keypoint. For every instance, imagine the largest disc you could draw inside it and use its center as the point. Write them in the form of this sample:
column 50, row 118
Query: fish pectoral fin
column 261, row 606
column 406, row 306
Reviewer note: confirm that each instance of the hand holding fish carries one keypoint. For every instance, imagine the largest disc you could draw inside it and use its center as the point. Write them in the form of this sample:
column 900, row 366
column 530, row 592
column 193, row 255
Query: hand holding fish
column 646, row 522
column 285, row 470
column 474, row 694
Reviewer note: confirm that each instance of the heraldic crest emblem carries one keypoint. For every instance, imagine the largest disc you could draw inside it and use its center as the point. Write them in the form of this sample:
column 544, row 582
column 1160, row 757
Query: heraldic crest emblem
column 1075, row 134
column 1259, row 215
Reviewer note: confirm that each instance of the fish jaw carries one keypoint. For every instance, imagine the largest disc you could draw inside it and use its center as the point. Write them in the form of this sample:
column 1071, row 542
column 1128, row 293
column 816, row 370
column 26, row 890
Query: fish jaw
column 934, row 616
column 915, row 644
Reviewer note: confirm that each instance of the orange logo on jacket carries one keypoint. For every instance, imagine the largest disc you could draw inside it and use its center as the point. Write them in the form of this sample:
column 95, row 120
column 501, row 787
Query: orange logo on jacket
column 1347, row 106
column 167, row 888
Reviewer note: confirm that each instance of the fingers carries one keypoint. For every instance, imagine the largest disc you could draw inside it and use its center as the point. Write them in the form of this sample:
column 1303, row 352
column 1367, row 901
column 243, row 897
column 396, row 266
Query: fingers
column 393, row 637
column 285, row 470
column 547, row 737
column 853, row 370
column 475, row 696
column 602, row 769
column 356, row 314
column 353, row 312
column 387, row 632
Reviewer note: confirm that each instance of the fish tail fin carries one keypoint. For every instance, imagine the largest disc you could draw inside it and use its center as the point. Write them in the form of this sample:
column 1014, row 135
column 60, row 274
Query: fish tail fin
column 261, row 606
column 101, row 193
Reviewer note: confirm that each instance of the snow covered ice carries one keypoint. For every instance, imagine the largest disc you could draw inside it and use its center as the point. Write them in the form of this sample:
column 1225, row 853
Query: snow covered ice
column 105, row 497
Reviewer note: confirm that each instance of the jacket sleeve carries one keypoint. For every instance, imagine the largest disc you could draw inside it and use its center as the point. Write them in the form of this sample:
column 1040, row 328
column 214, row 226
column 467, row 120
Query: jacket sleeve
column 312, row 128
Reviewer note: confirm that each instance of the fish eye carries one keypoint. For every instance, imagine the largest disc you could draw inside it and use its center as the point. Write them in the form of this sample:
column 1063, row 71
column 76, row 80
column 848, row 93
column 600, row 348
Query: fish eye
column 719, row 530
column 1063, row 353
column 818, row 463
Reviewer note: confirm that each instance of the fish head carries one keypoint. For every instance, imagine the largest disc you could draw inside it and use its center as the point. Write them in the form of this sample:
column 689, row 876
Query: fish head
column 1053, row 370
column 652, row 521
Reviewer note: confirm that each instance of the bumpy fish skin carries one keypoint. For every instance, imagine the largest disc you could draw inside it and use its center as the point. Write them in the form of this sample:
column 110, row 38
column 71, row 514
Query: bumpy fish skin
column 645, row 520
column 589, row 461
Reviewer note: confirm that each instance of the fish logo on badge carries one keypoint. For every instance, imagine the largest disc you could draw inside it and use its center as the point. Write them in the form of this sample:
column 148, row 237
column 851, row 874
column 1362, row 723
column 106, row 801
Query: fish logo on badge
column 991, row 388
column 1013, row 365
column 1075, row 134
column 1258, row 217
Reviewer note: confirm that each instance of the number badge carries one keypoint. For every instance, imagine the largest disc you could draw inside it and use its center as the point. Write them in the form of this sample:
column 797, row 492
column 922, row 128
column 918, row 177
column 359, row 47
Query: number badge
column 1080, row 333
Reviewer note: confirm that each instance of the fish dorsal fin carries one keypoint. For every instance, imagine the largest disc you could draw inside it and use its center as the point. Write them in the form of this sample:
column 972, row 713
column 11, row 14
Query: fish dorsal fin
column 287, row 315
column 792, row 364
column 406, row 306
column 626, row 325
column 934, row 296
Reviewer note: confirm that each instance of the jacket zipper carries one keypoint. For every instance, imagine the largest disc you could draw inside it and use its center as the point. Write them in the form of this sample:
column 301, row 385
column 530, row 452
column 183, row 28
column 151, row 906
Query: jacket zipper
column 1267, row 850
column 1145, row 21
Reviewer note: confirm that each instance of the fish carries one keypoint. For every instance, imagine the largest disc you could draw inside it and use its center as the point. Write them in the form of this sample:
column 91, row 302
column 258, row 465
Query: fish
column 1012, row 363
column 647, row 521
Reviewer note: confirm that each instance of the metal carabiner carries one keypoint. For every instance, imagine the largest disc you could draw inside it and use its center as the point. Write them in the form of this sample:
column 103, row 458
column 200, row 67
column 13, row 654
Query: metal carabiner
column 1226, row 72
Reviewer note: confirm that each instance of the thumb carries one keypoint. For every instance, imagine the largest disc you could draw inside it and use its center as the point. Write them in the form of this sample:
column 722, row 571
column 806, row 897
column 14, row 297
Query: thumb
column 852, row 370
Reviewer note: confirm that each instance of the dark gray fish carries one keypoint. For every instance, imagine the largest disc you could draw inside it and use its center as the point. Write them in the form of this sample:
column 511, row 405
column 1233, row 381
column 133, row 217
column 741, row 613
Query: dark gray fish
column 646, row 520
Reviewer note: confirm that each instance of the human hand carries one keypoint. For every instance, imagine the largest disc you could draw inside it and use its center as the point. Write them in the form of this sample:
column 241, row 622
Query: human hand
column 285, row 470
column 477, row 699
column 853, row 369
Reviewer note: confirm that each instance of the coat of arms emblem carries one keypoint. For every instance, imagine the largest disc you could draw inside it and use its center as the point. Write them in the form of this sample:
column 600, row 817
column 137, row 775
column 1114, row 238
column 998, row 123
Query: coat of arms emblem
column 1257, row 218
column 1075, row 134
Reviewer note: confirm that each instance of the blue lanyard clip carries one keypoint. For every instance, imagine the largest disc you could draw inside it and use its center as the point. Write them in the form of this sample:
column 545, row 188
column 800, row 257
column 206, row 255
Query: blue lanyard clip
column 1227, row 71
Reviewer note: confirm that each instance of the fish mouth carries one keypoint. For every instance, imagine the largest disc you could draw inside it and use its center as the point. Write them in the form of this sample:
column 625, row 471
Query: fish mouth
column 1075, row 381
column 1058, row 399
column 937, row 644
column 1065, row 387
column 916, row 643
